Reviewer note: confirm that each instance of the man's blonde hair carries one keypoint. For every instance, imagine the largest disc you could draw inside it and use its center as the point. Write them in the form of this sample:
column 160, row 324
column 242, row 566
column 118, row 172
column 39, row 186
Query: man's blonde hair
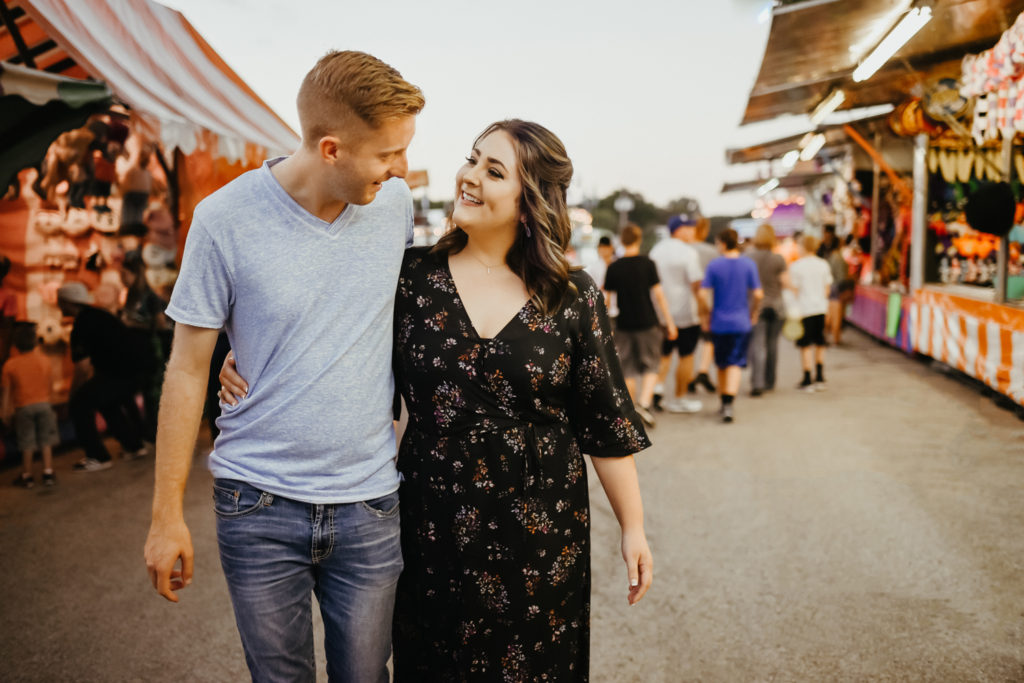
column 810, row 243
column 348, row 83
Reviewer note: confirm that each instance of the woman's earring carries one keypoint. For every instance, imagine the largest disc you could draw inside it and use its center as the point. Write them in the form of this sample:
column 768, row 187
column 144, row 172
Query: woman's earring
column 525, row 226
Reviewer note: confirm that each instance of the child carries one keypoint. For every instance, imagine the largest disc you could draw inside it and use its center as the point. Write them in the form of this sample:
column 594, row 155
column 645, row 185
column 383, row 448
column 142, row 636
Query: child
column 811, row 279
column 27, row 381
column 731, row 290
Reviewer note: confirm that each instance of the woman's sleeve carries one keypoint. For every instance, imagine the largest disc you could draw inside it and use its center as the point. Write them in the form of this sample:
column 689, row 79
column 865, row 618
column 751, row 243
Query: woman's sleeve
column 602, row 414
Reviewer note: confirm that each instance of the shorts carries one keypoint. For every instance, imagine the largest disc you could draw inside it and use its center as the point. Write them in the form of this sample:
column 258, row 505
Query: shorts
column 731, row 349
column 36, row 426
column 639, row 350
column 685, row 343
column 705, row 335
column 839, row 288
column 814, row 331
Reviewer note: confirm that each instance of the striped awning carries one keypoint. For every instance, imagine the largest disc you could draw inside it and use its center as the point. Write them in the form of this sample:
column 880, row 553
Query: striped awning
column 152, row 59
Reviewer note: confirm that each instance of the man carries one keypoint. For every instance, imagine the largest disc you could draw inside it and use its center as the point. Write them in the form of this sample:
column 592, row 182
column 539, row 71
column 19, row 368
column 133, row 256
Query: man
column 695, row 233
column 634, row 281
column 732, row 291
column 598, row 268
column 107, row 365
column 305, row 485
column 605, row 256
column 680, row 272
column 811, row 279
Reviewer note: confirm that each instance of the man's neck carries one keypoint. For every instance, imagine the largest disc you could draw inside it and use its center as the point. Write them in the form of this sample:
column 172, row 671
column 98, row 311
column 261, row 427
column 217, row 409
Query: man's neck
column 297, row 175
column 631, row 251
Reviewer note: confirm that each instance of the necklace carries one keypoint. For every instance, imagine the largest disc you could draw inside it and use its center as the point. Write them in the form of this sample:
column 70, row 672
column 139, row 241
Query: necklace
column 481, row 262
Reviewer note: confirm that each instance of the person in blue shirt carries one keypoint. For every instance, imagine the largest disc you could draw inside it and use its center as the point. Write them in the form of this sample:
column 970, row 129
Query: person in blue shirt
column 731, row 289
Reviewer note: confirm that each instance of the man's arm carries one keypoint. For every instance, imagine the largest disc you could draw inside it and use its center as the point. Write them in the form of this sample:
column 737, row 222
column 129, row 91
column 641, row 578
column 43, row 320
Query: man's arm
column 670, row 324
column 755, row 307
column 705, row 300
column 82, row 373
column 181, row 409
column 6, row 410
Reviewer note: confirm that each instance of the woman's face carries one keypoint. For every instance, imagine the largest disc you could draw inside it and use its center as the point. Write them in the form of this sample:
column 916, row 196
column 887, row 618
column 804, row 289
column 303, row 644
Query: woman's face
column 488, row 187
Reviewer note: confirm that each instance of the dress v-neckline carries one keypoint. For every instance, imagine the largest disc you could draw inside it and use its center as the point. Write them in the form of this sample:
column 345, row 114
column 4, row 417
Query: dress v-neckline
column 465, row 311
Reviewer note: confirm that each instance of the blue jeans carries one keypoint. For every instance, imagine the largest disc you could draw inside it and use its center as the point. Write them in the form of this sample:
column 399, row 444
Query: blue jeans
column 276, row 552
column 764, row 349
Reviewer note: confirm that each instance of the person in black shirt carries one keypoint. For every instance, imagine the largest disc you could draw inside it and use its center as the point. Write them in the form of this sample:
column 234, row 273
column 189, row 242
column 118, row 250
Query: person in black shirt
column 107, row 365
column 638, row 336
column 150, row 332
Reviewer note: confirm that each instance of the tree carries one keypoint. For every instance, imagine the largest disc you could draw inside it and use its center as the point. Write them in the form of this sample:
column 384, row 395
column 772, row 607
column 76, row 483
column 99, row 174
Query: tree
column 683, row 205
column 644, row 214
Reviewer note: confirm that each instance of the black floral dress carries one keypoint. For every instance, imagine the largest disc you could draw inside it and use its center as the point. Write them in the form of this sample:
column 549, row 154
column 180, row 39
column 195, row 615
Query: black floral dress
column 495, row 511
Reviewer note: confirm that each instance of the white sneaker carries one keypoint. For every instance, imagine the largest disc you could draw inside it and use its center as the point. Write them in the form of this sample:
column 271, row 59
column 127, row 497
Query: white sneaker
column 683, row 405
column 92, row 465
column 135, row 455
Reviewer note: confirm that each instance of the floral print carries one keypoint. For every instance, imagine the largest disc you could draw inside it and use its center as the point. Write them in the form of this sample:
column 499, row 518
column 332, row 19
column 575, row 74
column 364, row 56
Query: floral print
column 495, row 514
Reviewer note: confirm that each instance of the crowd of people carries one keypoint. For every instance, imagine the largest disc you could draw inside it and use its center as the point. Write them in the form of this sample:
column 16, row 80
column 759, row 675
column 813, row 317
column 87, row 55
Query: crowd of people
column 118, row 351
column 693, row 303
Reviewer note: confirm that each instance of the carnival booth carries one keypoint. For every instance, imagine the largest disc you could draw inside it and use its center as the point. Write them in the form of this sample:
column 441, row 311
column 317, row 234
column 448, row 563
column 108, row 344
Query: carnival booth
column 116, row 119
column 935, row 183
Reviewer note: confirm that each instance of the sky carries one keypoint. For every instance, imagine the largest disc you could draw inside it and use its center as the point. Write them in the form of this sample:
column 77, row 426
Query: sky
column 645, row 94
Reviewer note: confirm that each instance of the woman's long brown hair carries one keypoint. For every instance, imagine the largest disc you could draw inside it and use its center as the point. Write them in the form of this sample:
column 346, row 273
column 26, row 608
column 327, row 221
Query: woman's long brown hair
column 545, row 172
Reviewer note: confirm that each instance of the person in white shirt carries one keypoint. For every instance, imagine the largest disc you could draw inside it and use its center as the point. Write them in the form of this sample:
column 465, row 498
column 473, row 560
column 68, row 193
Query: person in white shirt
column 681, row 273
column 811, row 279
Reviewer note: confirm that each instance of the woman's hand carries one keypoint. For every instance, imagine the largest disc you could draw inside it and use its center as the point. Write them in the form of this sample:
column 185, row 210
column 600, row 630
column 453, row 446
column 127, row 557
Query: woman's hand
column 639, row 564
column 232, row 387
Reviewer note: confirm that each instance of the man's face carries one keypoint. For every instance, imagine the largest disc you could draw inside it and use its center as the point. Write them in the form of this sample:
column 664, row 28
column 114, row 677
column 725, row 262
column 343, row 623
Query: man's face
column 362, row 158
column 606, row 252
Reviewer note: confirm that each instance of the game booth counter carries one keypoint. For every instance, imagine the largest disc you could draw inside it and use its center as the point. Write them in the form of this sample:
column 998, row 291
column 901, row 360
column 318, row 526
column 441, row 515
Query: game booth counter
column 116, row 120
column 932, row 184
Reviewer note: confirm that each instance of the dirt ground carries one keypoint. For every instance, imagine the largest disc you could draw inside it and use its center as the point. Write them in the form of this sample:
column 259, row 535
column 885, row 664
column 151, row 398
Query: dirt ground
column 870, row 532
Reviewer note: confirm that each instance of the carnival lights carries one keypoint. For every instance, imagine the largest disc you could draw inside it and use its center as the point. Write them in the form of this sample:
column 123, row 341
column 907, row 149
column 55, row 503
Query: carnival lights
column 767, row 187
column 827, row 106
column 813, row 146
column 908, row 27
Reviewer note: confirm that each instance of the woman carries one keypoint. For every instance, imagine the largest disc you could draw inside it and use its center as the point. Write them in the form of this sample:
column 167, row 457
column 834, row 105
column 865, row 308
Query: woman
column 505, row 359
column 764, row 342
column 842, row 291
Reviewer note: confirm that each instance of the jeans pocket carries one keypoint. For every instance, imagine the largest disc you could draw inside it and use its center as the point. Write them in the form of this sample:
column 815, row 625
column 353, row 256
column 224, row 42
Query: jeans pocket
column 383, row 507
column 233, row 499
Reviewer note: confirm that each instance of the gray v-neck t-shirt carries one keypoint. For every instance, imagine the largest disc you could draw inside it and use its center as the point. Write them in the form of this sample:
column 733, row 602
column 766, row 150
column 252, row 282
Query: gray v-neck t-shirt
column 308, row 307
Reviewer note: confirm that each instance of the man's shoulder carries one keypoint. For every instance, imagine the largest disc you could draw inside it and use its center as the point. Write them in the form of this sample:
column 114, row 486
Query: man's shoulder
column 672, row 248
column 237, row 195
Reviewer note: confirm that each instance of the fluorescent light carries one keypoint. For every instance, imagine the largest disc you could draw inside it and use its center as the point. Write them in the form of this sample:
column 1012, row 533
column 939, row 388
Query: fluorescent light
column 879, row 29
column 827, row 106
column 790, row 158
column 767, row 187
column 816, row 143
column 897, row 38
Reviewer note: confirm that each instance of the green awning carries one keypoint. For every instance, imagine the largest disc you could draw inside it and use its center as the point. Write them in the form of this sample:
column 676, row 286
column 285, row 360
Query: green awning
column 35, row 108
